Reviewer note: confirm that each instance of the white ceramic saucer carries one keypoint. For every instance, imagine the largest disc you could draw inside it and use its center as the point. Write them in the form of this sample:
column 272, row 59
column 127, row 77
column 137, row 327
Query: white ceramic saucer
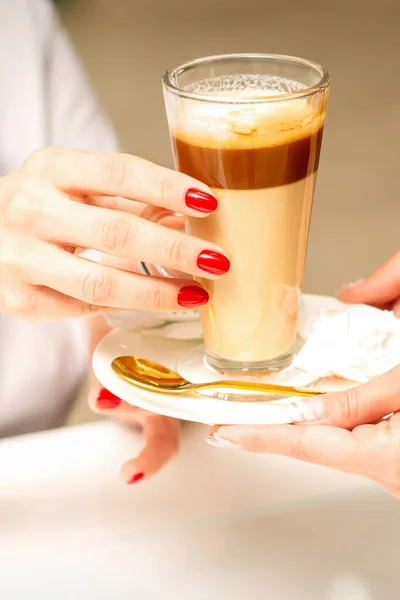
column 193, row 407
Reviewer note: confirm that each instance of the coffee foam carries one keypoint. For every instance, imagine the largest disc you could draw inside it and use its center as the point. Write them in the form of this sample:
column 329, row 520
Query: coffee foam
column 231, row 124
column 246, row 85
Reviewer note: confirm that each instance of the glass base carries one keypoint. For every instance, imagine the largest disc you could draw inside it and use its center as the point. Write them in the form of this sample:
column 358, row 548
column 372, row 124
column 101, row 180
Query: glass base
column 264, row 367
column 195, row 367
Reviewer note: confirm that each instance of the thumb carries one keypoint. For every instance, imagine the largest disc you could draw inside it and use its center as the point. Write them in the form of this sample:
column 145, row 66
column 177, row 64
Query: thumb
column 358, row 405
column 379, row 288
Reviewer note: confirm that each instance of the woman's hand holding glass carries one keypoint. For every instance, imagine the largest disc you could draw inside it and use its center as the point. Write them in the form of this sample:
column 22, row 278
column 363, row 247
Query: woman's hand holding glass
column 61, row 201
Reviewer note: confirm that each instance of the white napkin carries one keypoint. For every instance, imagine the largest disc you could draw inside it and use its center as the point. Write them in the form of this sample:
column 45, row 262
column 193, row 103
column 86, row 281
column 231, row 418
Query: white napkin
column 355, row 342
column 177, row 325
column 189, row 330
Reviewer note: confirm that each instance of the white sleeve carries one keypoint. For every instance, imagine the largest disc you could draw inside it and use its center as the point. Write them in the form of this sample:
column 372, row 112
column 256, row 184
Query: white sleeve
column 75, row 117
column 77, row 121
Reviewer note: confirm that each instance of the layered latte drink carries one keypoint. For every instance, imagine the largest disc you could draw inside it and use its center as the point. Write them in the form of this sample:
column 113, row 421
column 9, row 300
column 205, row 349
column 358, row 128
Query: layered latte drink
column 255, row 139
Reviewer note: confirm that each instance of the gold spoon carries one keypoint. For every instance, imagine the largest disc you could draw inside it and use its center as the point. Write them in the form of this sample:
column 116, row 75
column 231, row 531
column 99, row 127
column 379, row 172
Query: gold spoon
column 152, row 376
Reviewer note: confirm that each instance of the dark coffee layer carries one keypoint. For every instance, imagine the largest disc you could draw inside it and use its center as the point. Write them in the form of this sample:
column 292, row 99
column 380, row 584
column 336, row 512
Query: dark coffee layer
column 249, row 168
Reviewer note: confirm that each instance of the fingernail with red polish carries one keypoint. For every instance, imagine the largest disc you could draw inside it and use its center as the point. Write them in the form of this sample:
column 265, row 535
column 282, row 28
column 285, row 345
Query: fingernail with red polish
column 201, row 201
column 192, row 295
column 137, row 477
column 213, row 262
column 106, row 400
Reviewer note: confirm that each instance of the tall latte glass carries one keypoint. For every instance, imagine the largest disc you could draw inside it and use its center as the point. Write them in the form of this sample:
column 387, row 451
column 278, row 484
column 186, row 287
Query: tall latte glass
column 250, row 127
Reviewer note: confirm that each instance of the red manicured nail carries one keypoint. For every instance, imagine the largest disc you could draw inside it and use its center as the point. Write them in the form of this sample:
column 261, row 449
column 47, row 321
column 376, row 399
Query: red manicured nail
column 106, row 400
column 192, row 295
column 136, row 478
column 201, row 201
column 213, row 262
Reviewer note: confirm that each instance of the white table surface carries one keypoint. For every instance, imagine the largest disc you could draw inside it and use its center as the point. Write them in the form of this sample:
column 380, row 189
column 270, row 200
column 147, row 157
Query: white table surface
column 215, row 524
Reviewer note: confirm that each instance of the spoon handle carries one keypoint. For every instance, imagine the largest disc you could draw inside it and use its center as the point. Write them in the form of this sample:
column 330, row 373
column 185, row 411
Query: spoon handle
column 266, row 388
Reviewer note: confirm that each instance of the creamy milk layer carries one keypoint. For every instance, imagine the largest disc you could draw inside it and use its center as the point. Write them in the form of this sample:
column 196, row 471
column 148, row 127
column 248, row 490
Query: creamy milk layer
column 252, row 313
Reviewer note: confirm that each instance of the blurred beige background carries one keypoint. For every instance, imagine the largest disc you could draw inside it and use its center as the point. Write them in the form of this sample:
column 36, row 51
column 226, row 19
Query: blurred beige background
column 127, row 45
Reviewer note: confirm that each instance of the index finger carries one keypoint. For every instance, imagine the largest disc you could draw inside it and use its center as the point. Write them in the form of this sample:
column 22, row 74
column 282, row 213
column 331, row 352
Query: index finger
column 117, row 174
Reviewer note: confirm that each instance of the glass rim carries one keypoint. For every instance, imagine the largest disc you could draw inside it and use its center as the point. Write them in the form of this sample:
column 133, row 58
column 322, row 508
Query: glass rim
column 322, row 84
